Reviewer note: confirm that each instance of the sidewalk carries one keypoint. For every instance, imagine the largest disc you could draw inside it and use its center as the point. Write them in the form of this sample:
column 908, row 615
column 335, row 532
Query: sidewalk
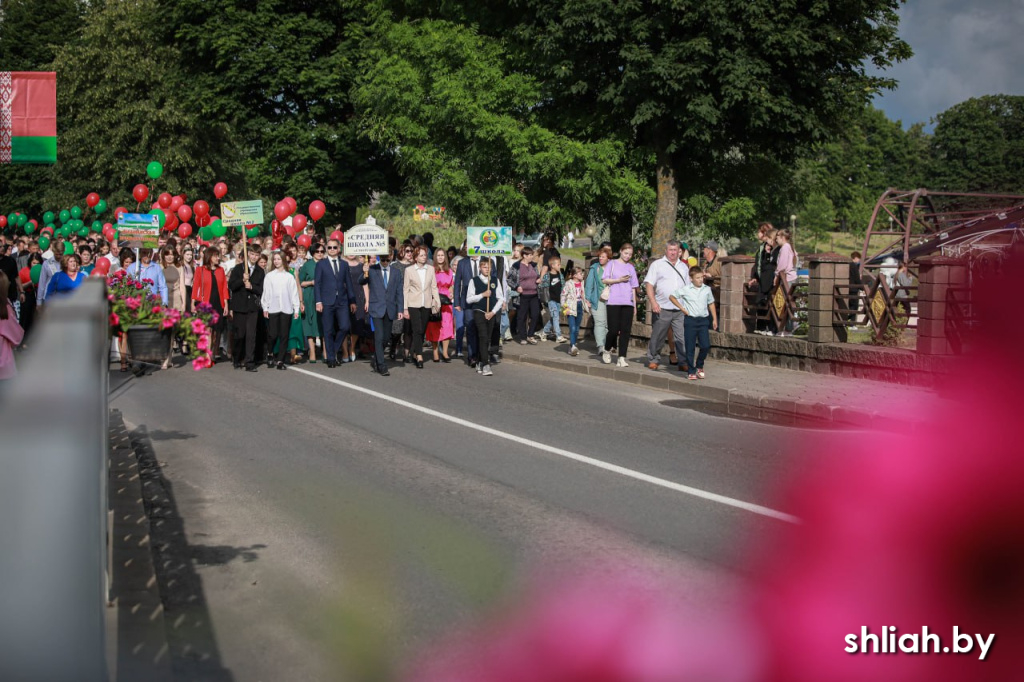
column 749, row 390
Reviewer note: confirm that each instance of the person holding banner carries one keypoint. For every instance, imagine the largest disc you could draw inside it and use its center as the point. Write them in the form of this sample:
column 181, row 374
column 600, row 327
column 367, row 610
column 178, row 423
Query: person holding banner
column 485, row 297
column 421, row 299
column 386, row 304
column 246, row 286
column 331, row 284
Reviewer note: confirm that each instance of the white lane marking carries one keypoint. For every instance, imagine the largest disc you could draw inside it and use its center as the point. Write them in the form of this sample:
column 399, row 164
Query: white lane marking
column 615, row 468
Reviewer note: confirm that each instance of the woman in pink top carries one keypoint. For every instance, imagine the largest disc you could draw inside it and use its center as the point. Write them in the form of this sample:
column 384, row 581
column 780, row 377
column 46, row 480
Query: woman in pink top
column 785, row 267
column 11, row 333
column 440, row 333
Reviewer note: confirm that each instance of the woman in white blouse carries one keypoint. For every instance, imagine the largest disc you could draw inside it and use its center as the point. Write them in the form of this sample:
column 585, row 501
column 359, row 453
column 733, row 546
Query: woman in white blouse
column 280, row 304
column 421, row 299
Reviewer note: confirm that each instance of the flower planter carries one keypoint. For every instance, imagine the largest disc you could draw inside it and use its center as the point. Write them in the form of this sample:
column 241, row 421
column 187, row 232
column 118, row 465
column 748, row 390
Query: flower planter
column 148, row 344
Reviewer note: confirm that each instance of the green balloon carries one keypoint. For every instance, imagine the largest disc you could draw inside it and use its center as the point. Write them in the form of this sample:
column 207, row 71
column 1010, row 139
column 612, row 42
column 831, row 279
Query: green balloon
column 83, row 231
column 37, row 269
column 30, row 228
column 48, row 217
column 154, row 169
column 217, row 228
column 22, row 219
column 65, row 216
column 69, row 248
column 159, row 212
column 12, row 219
column 97, row 226
column 205, row 234
column 100, row 207
column 253, row 231
column 64, row 231
column 76, row 212
column 44, row 243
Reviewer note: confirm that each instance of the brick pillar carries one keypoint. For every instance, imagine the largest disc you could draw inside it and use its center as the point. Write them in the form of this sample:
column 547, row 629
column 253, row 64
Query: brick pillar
column 735, row 275
column 826, row 270
column 935, row 275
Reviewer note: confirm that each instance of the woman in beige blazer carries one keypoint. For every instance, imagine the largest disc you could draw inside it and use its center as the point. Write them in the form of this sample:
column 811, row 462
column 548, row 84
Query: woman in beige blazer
column 421, row 299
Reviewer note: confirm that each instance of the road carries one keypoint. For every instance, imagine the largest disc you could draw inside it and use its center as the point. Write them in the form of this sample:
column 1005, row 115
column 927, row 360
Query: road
column 328, row 524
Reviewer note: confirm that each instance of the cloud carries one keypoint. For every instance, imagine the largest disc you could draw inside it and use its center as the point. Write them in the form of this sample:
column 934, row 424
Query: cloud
column 961, row 50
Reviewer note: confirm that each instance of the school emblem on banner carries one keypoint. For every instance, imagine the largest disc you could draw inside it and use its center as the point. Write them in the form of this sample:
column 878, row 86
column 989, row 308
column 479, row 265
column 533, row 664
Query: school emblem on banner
column 28, row 117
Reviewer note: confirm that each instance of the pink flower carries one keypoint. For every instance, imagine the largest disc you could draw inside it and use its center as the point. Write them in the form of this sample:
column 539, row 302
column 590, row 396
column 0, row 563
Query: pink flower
column 133, row 302
column 138, row 286
column 198, row 326
column 203, row 343
column 115, row 321
column 201, row 362
column 156, row 309
column 110, row 297
column 167, row 323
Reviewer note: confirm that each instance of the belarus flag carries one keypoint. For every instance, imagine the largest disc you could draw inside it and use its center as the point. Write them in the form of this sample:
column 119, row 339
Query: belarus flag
column 28, row 117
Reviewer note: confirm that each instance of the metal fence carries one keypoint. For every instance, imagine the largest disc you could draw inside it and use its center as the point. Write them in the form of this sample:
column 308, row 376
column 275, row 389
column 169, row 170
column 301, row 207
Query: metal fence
column 53, row 497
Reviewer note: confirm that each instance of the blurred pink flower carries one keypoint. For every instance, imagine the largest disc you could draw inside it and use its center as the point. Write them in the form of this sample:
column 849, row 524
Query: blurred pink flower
column 593, row 628
column 203, row 343
column 114, row 320
column 198, row 326
column 132, row 302
column 201, row 362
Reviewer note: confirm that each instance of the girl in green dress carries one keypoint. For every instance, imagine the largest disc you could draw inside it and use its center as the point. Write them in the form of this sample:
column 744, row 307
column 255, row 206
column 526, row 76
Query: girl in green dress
column 312, row 329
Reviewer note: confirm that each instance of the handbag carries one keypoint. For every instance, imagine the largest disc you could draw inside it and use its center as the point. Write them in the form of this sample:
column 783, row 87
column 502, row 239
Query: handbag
column 445, row 300
column 606, row 293
column 435, row 317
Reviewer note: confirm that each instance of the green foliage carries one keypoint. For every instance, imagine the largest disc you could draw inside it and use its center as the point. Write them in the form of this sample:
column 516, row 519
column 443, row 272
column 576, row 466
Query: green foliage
column 463, row 128
column 979, row 146
column 816, row 219
column 120, row 105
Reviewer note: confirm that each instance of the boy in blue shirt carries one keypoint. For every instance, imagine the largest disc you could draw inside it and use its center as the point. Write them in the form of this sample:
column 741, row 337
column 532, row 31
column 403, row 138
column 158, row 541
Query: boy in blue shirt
column 698, row 305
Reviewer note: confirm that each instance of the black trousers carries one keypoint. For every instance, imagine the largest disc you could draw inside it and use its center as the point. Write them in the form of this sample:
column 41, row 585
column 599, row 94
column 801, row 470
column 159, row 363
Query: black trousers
column 278, row 326
column 620, row 326
column 419, row 318
column 243, row 326
column 529, row 315
column 484, row 329
column 381, row 331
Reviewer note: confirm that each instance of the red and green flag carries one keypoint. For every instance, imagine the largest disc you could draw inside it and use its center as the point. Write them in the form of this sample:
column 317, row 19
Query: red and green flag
column 28, row 117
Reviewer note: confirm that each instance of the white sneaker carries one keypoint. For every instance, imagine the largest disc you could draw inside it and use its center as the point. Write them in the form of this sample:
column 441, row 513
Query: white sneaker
column 479, row 368
column 561, row 339
column 606, row 357
column 487, row 371
column 574, row 351
column 508, row 335
column 622, row 362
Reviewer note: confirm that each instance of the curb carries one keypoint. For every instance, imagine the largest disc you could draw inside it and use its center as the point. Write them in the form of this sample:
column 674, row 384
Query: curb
column 739, row 402
column 137, row 647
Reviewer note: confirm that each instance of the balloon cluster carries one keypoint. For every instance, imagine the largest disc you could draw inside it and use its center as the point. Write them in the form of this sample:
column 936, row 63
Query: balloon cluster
column 71, row 221
column 285, row 209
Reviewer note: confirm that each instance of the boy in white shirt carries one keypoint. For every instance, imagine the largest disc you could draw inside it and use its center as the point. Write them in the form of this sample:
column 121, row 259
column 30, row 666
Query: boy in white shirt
column 698, row 305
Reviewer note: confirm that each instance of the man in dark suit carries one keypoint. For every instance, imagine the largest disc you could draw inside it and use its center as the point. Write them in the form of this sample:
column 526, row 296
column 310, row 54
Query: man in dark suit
column 387, row 301
column 246, row 287
column 333, row 299
column 467, row 269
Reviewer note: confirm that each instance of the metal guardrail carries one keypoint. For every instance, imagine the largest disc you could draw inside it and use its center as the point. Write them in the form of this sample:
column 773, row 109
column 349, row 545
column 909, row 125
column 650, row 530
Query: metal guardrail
column 53, row 496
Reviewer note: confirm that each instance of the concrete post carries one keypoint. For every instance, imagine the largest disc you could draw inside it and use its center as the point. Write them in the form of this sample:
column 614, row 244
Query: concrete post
column 735, row 275
column 826, row 270
column 936, row 274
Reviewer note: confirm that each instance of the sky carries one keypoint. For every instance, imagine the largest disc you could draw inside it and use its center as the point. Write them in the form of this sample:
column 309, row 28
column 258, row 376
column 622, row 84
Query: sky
column 962, row 49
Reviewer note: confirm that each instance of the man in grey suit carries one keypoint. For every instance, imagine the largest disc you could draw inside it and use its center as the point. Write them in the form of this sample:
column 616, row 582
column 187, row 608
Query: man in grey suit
column 386, row 303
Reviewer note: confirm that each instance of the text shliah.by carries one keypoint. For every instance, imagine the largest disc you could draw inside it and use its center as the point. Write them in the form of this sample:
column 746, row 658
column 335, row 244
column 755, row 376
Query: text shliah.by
column 889, row 642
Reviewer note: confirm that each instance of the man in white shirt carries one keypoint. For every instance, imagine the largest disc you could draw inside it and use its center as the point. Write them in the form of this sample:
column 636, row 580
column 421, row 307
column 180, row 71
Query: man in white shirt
column 663, row 277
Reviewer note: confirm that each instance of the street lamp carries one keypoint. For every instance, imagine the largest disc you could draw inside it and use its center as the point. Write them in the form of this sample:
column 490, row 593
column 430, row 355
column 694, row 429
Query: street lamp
column 792, row 228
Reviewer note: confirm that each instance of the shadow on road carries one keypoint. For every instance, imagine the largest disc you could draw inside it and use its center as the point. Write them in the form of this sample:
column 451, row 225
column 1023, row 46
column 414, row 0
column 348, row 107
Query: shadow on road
column 190, row 632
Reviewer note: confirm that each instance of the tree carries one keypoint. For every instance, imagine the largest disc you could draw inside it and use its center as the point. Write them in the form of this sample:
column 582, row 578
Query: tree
column 120, row 105
column 31, row 34
column 978, row 146
column 693, row 81
column 464, row 127
column 818, row 217
column 280, row 73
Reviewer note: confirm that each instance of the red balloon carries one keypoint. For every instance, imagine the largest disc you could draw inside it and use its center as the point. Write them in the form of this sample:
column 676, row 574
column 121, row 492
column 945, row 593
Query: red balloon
column 317, row 210
column 140, row 193
column 92, row 199
column 299, row 221
column 102, row 267
column 304, row 240
column 46, row 230
column 25, row 274
column 176, row 203
column 164, row 200
column 119, row 210
column 108, row 232
column 171, row 221
column 184, row 212
column 339, row 235
column 184, row 230
column 281, row 210
column 155, row 204
column 202, row 220
column 3, row 221
column 201, row 208
column 292, row 205
column 35, row 223
column 219, row 190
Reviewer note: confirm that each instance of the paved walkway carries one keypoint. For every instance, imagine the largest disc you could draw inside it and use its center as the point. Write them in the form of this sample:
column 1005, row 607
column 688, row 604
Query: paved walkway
column 759, row 392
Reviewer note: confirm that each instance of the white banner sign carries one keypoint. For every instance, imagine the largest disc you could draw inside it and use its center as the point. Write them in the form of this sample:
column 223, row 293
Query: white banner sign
column 366, row 240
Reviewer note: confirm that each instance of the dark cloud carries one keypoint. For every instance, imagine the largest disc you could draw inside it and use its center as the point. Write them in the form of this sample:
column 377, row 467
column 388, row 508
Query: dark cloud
column 961, row 50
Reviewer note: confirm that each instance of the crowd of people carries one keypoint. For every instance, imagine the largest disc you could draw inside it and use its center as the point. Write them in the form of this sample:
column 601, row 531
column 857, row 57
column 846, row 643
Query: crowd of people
column 282, row 301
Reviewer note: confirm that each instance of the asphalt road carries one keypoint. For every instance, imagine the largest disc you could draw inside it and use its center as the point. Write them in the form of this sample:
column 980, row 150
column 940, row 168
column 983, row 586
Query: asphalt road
column 315, row 531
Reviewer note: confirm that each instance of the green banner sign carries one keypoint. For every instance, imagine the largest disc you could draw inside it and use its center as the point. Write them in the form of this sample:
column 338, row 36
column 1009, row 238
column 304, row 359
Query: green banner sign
column 489, row 241
column 238, row 213
column 139, row 230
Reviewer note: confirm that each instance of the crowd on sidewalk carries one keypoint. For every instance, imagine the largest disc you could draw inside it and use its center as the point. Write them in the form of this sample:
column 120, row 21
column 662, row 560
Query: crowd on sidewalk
column 282, row 301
